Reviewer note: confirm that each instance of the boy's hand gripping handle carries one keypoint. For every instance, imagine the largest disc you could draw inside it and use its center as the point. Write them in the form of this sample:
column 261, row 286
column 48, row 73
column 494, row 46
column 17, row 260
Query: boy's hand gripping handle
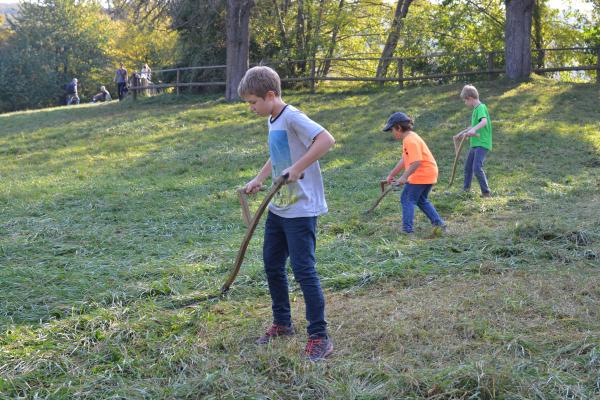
column 277, row 184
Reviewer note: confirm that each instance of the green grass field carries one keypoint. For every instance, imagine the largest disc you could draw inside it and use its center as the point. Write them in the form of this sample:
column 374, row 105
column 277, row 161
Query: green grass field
column 111, row 214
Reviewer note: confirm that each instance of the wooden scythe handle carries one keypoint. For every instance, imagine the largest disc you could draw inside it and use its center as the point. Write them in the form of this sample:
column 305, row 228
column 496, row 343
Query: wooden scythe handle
column 243, row 197
column 384, row 192
column 279, row 182
column 382, row 184
column 462, row 141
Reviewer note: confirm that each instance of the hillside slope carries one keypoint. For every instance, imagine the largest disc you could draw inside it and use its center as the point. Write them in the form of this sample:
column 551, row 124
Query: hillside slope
column 111, row 214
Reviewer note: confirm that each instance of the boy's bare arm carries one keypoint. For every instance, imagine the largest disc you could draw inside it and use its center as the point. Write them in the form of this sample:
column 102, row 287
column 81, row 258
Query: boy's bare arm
column 395, row 171
column 409, row 171
column 474, row 129
column 322, row 143
column 254, row 185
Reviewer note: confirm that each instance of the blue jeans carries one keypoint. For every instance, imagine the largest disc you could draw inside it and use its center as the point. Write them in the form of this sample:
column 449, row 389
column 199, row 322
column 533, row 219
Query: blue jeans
column 416, row 194
column 474, row 165
column 294, row 238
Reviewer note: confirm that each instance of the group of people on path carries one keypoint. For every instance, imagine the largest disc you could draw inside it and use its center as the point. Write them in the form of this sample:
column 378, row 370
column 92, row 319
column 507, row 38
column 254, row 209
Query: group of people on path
column 121, row 78
column 296, row 143
column 143, row 78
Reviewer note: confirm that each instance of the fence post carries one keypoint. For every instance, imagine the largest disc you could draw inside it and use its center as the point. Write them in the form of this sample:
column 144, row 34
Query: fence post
column 177, row 82
column 598, row 65
column 313, row 66
column 401, row 73
column 490, row 65
column 136, row 85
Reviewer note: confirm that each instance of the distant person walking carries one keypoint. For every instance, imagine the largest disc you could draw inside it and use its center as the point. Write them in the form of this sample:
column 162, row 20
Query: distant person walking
column 72, row 96
column 121, row 80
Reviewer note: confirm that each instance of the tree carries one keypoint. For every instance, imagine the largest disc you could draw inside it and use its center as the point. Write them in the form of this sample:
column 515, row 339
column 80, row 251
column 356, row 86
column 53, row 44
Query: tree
column 538, row 35
column 393, row 37
column 238, row 44
column 201, row 27
column 136, row 44
column 335, row 30
column 517, row 33
column 53, row 41
column 142, row 32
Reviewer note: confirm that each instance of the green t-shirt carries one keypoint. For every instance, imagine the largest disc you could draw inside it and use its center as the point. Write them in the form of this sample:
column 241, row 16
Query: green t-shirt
column 485, row 134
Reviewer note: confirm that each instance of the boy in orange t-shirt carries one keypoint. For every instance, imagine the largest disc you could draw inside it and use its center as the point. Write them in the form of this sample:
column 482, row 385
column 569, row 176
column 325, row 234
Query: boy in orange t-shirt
column 420, row 172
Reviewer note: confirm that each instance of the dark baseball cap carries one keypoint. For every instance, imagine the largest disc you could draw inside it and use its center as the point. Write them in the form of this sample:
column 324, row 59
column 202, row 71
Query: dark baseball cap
column 394, row 119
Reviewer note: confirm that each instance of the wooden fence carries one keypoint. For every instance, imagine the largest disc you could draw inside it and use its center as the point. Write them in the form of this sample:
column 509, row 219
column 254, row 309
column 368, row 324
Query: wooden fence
column 401, row 69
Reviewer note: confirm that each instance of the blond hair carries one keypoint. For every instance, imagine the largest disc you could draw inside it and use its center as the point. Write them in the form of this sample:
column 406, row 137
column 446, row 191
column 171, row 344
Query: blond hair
column 469, row 91
column 258, row 81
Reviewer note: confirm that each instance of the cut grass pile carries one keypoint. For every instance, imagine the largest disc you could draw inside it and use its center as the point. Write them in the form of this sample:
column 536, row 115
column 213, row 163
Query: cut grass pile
column 110, row 214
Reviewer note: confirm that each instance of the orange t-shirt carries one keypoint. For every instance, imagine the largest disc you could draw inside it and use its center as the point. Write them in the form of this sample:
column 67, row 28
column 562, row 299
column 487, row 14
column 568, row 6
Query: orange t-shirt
column 415, row 149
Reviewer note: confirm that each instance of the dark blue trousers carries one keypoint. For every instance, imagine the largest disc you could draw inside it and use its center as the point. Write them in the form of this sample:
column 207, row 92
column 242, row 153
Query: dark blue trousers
column 121, row 90
column 294, row 238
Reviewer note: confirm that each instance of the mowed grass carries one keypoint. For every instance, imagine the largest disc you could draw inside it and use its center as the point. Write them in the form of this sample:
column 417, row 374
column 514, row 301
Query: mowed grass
column 111, row 214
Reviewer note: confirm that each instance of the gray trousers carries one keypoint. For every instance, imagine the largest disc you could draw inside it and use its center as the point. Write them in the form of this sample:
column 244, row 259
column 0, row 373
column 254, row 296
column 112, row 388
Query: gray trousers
column 474, row 166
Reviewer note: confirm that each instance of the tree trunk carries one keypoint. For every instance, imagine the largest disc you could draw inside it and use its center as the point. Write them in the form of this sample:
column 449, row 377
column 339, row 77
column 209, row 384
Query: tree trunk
column 238, row 44
column 538, row 37
column 393, row 37
column 330, row 51
column 282, row 31
column 300, row 36
column 314, row 38
column 517, row 38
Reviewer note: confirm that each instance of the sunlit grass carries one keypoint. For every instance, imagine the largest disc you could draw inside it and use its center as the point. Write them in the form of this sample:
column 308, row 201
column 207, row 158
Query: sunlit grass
column 109, row 214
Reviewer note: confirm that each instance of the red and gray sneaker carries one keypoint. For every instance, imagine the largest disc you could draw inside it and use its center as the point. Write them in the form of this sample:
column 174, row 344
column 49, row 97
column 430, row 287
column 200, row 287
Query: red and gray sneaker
column 318, row 347
column 274, row 331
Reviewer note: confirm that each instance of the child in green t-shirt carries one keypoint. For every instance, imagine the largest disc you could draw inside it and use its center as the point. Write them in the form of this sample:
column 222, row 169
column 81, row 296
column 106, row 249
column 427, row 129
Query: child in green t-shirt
column 480, row 139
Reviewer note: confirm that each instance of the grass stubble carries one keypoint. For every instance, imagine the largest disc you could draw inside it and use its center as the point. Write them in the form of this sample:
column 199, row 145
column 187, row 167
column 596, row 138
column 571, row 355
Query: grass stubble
column 110, row 214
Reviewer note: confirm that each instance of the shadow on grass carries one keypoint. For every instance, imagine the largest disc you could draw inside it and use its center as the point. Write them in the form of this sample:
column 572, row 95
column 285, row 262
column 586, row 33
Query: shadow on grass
column 167, row 217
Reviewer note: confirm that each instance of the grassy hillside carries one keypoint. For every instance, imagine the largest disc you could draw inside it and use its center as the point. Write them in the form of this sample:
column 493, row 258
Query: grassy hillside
column 111, row 214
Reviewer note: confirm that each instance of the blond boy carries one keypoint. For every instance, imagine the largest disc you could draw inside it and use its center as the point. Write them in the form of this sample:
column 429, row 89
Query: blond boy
column 480, row 140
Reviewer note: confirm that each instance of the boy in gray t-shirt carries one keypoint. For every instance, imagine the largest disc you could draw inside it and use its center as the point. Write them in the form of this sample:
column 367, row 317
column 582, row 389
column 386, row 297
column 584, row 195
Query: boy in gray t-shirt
column 291, row 133
column 295, row 145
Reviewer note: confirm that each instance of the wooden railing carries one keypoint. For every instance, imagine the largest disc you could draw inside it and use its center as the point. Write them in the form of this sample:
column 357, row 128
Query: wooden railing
column 178, row 84
column 400, row 71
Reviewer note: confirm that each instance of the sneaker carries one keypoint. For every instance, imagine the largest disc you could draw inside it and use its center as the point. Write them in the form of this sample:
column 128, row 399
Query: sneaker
column 318, row 347
column 274, row 331
column 486, row 195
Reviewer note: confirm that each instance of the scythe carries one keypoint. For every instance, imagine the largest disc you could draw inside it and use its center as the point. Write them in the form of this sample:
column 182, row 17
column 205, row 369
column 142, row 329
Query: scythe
column 252, row 223
column 457, row 150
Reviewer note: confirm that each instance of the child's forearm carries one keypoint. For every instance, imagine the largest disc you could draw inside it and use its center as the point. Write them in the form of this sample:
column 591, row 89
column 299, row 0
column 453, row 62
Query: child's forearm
column 265, row 171
column 397, row 168
column 481, row 124
column 473, row 130
column 322, row 144
column 411, row 169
